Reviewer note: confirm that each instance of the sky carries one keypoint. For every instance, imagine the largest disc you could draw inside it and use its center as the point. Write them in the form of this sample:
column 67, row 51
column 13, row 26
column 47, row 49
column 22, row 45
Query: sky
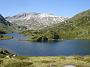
column 66, row 8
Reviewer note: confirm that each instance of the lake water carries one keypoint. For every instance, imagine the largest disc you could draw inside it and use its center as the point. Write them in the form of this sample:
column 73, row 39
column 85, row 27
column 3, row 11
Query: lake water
column 26, row 48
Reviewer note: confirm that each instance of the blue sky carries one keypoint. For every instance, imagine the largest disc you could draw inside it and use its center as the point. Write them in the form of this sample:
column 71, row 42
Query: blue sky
column 57, row 7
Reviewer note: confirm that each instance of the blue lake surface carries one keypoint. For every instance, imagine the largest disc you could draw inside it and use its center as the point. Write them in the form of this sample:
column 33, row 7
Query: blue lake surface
column 26, row 48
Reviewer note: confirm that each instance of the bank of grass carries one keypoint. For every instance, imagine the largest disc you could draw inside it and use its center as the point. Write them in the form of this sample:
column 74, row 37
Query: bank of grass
column 2, row 37
column 45, row 61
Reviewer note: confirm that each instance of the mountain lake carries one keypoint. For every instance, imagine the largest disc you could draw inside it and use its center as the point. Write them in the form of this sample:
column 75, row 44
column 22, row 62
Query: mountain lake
column 21, row 47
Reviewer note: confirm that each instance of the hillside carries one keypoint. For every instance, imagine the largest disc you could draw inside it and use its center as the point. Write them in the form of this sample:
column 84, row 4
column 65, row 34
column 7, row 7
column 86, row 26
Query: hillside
column 77, row 27
column 5, row 26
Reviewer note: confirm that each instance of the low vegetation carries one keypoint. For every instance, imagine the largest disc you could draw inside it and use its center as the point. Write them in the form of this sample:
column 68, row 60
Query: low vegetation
column 56, row 61
column 41, row 36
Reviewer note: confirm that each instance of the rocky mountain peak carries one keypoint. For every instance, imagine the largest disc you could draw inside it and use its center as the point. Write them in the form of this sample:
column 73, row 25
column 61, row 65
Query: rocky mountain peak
column 35, row 20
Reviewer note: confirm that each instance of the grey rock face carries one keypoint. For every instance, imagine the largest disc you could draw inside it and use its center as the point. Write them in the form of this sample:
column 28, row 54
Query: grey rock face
column 35, row 20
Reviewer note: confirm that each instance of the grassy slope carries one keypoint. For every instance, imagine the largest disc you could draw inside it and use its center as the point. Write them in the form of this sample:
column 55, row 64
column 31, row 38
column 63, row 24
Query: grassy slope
column 5, row 26
column 77, row 27
column 3, row 30
column 56, row 61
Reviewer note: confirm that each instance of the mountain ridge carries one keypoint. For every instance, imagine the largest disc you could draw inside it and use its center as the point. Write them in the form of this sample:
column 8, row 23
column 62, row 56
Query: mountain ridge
column 35, row 20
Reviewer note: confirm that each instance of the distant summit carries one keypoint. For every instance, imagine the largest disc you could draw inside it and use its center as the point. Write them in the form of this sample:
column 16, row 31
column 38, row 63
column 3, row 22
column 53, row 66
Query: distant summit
column 35, row 20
